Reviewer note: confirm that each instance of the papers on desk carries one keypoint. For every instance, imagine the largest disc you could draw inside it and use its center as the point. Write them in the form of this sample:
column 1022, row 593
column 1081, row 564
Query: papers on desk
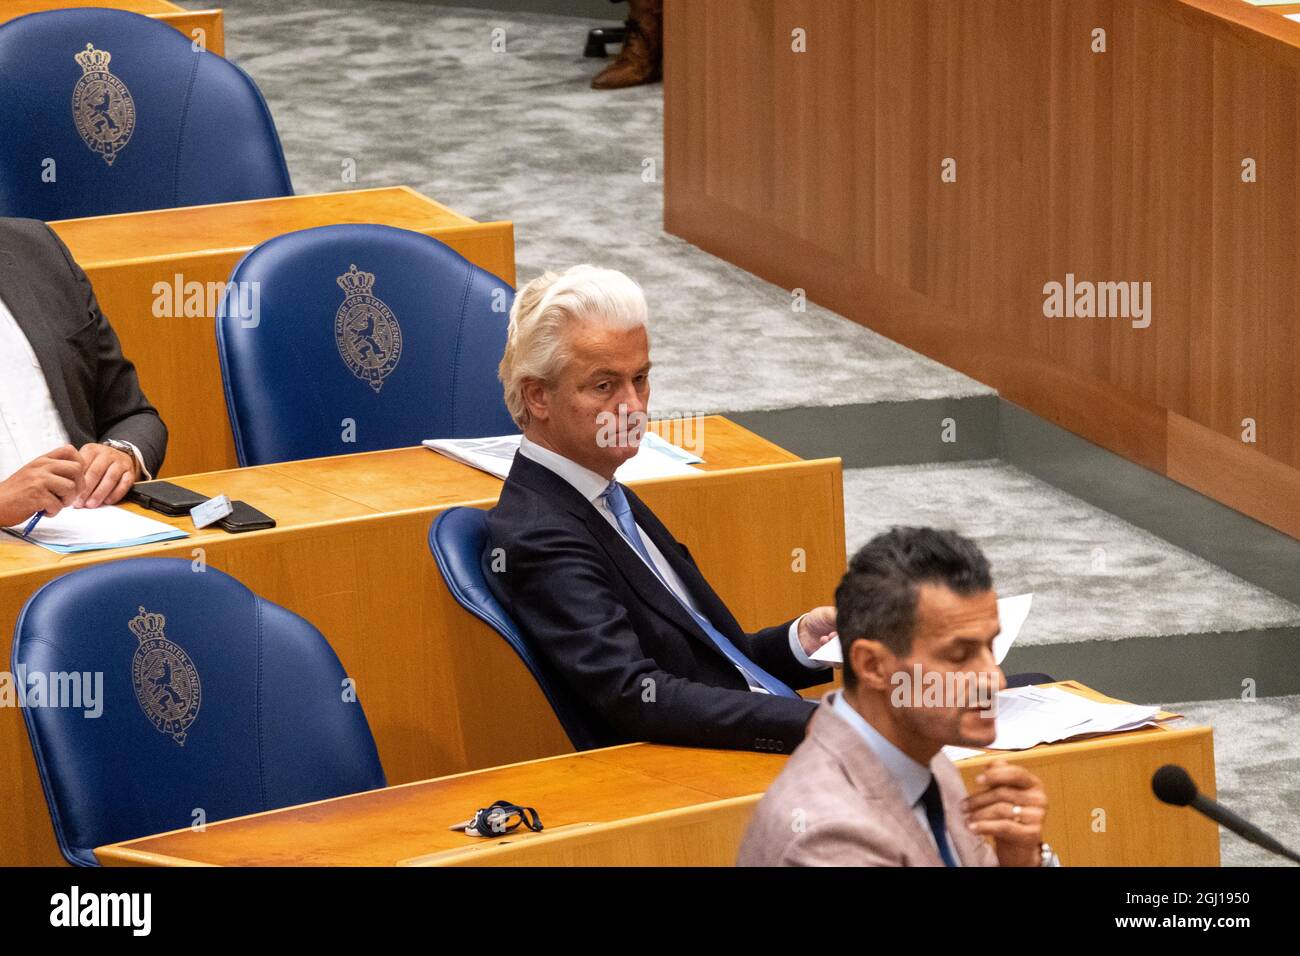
column 93, row 529
column 1028, row 716
column 1012, row 612
column 655, row 458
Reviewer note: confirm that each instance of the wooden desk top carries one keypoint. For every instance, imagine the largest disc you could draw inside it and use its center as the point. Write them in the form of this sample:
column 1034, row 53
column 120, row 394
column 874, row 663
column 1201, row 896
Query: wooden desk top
column 1283, row 9
column 1263, row 23
column 13, row 9
column 154, row 234
column 385, row 827
column 303, row 494
column 407, row 824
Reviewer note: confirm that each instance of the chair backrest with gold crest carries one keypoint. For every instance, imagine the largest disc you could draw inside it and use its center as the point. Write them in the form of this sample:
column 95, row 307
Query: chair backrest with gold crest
column 106, row 111
column 360, row 337
column 158, row 697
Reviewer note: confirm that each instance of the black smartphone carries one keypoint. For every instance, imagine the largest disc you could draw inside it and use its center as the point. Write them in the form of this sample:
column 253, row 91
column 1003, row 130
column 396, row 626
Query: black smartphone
column 244, row 517
column 165, row 498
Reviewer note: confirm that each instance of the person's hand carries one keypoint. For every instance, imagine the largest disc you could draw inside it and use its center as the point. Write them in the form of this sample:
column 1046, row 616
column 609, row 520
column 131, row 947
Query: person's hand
column 49, row 483
column 816, row 628
column 1010, row 808
column 110, row 473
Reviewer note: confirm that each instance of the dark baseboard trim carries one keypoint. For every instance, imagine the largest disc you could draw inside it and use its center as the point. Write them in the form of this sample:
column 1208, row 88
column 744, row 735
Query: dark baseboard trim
column 1181, row 667
column 1183, row 517
column 883, row 433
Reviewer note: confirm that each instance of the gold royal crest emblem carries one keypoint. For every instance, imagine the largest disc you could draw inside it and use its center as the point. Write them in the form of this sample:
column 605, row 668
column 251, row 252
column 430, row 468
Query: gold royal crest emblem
column 365, row 329
column 102, row 105
column 165, row 679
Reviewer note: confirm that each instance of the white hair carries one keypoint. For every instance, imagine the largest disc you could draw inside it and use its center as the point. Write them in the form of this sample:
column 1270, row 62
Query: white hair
column 536, row 342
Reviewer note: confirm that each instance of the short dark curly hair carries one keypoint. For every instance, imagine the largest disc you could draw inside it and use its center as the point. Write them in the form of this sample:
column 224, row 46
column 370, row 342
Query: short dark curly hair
column 876, row 598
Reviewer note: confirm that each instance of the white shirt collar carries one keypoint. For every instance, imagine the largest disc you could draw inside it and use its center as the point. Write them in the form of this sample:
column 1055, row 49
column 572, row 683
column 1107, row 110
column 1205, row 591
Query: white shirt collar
column 585, row 481
column 911, row 776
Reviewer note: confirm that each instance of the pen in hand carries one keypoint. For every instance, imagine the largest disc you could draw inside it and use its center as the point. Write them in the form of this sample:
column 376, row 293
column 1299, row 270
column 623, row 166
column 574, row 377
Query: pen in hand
column 32, row 524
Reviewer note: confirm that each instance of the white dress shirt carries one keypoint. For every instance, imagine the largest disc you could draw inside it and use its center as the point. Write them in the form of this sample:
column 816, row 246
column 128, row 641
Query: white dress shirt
column 591, row 486
column 30, row 425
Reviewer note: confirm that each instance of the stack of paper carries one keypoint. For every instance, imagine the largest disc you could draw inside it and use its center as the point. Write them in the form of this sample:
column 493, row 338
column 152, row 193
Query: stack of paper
column 93, row 529
column 1028, row 716
column 655, row 458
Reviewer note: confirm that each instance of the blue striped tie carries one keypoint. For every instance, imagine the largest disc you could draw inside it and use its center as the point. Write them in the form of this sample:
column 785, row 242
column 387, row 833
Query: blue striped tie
column 755, row 675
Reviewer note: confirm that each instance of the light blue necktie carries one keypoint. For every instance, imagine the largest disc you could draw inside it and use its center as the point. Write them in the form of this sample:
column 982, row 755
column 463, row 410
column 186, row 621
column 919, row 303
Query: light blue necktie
column 755, row 675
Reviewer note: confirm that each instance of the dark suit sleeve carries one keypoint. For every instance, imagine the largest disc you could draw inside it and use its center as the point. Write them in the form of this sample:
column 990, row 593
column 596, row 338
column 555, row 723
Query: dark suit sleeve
column 769, row 648
column 560, row 593
column 121, row 410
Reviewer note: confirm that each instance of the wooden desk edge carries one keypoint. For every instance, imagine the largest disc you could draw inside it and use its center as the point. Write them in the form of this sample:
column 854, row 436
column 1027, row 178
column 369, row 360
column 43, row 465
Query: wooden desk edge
column 461, row 223
column 119, row 855
column 1249, row 21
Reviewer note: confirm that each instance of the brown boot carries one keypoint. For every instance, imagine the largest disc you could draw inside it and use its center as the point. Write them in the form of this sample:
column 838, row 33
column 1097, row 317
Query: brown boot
column 641, row 59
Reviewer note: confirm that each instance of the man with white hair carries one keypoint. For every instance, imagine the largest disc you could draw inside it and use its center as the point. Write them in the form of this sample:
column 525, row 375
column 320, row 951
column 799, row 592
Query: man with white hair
column 608, row 596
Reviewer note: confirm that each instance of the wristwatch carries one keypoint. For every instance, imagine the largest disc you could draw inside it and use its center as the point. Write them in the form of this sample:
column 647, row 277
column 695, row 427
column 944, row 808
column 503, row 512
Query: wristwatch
column 128, row 449
column 1047, row 856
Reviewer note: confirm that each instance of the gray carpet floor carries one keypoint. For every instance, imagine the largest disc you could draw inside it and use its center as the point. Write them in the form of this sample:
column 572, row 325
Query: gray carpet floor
column 1094, row 576
column 1257, row 766
column 415, row 95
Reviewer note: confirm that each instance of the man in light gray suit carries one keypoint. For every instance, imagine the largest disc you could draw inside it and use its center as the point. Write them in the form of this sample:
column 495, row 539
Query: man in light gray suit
column 869, row 786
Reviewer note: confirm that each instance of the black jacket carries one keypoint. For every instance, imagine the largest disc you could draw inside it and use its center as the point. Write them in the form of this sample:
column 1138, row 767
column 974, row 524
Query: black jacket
column 94, row 387
column 622, row 642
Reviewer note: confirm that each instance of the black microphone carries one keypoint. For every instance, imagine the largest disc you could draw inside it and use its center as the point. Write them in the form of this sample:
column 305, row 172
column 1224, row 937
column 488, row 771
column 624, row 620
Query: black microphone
column 1172, row 784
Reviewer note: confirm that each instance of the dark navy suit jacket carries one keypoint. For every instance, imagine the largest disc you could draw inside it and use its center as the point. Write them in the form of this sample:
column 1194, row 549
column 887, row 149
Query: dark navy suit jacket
column 94, row 386
column 621, row 641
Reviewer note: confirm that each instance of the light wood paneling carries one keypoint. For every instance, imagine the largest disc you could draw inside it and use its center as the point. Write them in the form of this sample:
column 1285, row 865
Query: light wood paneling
column 822, row 170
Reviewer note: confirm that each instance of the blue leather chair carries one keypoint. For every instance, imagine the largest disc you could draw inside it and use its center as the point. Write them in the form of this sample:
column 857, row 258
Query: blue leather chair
column 354, row 338
column 213, row 699
column 458, row 540
column 140, row 120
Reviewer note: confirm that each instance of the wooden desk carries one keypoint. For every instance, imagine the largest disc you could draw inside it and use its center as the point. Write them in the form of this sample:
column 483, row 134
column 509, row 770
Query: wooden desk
column 208, row 26
column 1102, row 811
column 126, row 255
column 645, row 804
column 443, row 693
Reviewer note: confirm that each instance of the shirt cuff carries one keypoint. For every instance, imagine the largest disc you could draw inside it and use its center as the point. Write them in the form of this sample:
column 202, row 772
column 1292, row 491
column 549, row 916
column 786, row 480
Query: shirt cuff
column 142, row 473
column 797, row 649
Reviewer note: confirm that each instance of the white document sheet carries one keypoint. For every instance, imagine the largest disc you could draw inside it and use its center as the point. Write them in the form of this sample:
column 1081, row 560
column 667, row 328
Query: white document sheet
column 655, row 458
column 1012, row 612
column 93, row 529
column 1028, row 716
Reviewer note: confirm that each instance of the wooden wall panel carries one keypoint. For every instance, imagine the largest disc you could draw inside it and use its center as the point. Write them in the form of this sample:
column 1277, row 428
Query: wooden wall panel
column 821, row 170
